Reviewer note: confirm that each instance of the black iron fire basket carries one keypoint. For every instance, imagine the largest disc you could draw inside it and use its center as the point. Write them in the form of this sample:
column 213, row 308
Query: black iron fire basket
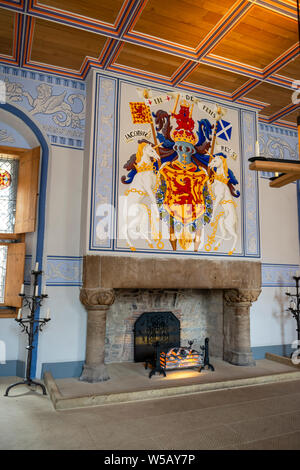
column 180, row 358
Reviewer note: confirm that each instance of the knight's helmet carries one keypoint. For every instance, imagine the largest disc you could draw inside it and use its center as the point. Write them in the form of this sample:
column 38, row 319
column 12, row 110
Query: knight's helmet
column 183, row 135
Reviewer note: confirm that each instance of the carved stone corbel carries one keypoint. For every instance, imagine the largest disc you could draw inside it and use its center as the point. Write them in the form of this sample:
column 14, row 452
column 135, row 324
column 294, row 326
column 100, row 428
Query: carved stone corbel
column 237, row 346
column 96, row 302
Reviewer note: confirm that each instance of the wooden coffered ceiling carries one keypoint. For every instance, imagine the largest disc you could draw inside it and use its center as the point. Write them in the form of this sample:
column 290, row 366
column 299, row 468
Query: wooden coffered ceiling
column 243, row 51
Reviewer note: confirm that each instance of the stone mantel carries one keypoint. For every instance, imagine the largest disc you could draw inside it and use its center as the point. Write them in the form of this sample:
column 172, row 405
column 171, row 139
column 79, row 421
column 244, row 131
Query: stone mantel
column 240, row 281
column 132, row 272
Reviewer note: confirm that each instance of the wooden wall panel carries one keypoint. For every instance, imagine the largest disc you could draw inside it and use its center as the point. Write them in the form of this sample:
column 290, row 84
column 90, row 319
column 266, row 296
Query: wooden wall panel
column 291, row 70
column 64, row 46
column 14, row 274
column 184, row 22
column 27, row 192
column 215, row 78
column 7, row 19
column 149, row 60
column 259, row 38
column 292, row 117
column 277, row 96
column 103, row 10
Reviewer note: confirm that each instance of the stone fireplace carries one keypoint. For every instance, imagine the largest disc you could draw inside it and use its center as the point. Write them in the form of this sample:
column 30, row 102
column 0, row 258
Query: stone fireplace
column 209, row 298
column 190, row 307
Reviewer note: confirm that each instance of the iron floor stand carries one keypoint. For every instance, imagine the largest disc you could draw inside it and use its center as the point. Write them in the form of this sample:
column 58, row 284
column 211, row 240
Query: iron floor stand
column 31, row 326
column 27, row 381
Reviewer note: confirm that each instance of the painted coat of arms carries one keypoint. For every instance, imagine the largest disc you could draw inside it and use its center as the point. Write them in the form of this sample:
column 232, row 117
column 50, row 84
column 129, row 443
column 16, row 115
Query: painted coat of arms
column 178, row 190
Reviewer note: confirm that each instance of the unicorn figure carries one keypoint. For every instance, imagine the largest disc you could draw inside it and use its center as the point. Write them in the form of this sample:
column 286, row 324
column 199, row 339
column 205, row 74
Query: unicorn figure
column 142, row 179
column 223, row 196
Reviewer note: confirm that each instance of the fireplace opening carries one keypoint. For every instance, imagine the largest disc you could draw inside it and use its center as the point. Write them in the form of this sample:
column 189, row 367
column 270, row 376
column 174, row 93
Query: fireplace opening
column 152, row 328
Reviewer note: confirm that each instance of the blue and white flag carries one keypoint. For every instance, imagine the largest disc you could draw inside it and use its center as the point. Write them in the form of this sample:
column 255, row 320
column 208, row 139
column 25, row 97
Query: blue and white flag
column 224, row 130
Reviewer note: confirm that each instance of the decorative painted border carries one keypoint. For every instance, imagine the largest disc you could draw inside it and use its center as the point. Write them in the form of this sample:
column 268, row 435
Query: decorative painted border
column 67, row 271
column 277, row 129
column 104, row 141
column 22, row 89
column 278, row 142
column 64, row 271
column 278, row 275
column 66, row 82
column 250, row 186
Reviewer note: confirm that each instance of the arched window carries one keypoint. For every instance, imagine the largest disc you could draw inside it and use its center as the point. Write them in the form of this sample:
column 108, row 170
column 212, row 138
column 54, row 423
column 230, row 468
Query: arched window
column 19, row 175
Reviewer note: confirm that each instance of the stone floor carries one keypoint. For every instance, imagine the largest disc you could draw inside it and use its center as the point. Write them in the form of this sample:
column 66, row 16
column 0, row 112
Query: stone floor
column 257, row 417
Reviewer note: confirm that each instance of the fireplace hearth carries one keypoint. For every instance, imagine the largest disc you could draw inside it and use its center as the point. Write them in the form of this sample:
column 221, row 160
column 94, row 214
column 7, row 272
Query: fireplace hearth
column 235, row 284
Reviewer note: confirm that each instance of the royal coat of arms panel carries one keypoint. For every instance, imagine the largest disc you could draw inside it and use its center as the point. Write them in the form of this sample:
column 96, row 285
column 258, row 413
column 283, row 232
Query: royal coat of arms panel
column 179, row 174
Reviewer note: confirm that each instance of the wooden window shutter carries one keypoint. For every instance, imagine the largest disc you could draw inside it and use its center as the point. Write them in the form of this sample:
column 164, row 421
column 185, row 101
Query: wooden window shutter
column 14, row 274
column 27, row 192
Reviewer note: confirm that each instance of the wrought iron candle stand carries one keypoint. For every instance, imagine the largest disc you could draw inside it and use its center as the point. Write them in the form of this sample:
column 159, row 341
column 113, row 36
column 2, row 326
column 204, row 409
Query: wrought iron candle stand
column 31, row 326
column 295, row 306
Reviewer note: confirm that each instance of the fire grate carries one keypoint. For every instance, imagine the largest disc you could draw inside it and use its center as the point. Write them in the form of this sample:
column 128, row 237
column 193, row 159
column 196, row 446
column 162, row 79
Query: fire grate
column 181, row 358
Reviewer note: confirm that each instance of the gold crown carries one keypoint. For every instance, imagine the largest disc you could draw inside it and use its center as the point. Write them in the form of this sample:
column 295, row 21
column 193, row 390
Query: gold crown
column 184, row 136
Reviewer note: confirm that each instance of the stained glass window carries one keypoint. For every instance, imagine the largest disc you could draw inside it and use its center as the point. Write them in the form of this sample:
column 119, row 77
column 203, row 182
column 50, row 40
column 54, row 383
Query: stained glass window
column 8, row 192
column 3, row 257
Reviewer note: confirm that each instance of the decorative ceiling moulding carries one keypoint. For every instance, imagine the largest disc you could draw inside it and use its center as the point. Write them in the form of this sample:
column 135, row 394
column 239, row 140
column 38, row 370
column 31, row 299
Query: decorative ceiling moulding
column 223, row 80
column 266, row 74
column 287, row 8
column 226, row 22
column 268, row 35
column 145, row 44
column 115, row 30
column 146, row 60
column 13, row 5
column 245, row 89
column 278, row 98
column 229, row 21
column 183, row 72
column 63, row 46
column 232, row 66
column 291, row 69
column 279, row 123
column 29, row 63
column 123, row 25
column 282, row 60
column 111, row 51
column 287, row 110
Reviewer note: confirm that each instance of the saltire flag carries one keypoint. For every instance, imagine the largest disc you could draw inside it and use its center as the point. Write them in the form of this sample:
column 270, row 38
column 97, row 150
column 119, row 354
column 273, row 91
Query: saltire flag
column 224, row 130
column 140, row 113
